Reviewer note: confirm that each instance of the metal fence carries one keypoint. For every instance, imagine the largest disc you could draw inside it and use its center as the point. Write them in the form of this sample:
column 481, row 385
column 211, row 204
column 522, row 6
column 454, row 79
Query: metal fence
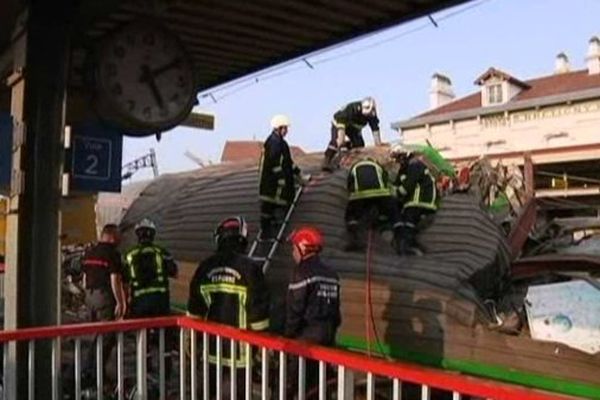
column 219, row 362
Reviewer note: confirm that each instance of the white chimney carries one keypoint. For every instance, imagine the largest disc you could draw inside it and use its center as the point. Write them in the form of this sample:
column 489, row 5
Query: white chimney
column 561, row 65
column 593, row 56
column 441, row 91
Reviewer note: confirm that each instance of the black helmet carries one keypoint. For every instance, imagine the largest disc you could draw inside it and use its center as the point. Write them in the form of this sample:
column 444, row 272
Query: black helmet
column 232, row 228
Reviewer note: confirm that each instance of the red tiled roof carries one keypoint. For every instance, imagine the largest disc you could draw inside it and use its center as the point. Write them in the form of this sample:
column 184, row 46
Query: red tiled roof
column 237, row 150
column 538, row 87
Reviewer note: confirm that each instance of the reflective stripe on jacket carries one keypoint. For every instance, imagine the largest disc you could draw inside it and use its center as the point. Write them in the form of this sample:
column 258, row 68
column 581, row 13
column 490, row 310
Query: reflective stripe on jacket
column 143, row 281
column 367, row 179
column 276, row 171
column 229, row 288
column 415, row 186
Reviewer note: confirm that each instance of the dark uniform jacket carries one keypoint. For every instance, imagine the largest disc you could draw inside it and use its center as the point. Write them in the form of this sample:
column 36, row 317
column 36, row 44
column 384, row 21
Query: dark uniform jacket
column 313, row 303
column 416, row 187
column 98, row 263
column 277, row 171
column 351, row 117
column 148, row 268
column 367, row 179
column 229, row 288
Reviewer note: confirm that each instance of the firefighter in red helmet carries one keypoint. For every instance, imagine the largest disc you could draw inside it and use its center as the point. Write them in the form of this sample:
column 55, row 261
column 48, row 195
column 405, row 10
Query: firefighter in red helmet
column 313, row 298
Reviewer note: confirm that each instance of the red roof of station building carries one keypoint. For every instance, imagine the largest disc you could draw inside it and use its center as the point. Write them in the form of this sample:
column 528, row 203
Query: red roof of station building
column 236, row 150
column 536, row 88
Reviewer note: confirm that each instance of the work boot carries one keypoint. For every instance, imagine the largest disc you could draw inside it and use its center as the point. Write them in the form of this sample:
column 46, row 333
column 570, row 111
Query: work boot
column 328, row 161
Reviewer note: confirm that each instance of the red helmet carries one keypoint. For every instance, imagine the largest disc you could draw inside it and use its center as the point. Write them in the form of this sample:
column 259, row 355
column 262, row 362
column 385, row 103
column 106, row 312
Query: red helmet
column 308, row 240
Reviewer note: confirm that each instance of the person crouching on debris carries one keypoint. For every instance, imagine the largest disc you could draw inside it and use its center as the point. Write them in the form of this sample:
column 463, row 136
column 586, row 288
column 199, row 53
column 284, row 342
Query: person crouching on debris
column 277, row 174
column 229, row 288
column 313, row 300
column 348, row 123
column 369, row 200
column 417, row 196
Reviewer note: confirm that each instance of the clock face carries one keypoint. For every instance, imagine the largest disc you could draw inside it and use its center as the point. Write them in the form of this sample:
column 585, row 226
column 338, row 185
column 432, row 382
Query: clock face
column 147, row 78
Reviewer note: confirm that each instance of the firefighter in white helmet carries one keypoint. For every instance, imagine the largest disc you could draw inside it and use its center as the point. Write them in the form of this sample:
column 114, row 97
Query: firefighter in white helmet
column 417, row 196
column 277, row 176
column 346, row 128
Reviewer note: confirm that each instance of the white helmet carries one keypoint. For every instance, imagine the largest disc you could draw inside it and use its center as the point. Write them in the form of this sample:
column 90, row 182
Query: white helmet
column 145, row 223
column 368, row 106
column 398, row 149
column 279, row 120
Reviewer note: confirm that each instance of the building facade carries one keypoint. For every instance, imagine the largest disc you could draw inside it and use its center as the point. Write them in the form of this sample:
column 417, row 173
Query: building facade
column 554, row 118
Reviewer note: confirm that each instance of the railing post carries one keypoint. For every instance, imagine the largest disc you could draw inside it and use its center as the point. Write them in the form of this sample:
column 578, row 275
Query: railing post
column 205, row 367
column 141, row 370
column 301, row 378
column 248, row 372
column 193, row 364
column 322, row 380
column 161, row 363
column 182, row 365
column 99, row 368
column 120, row 347
column 282, row 375
column 397, row 390
column 370, row 386
column 345, row 383
column 31, row 377
column 265, row 373
column 77, row 376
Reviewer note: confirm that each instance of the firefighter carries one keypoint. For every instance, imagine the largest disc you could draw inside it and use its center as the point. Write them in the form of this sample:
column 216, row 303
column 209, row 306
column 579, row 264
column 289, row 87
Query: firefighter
column 346, row 129
column 417, row 196
column 370, row 196
column 277, row 177
column 313, row 300
column 147, row 272
column 229, row 288
column 104, row 293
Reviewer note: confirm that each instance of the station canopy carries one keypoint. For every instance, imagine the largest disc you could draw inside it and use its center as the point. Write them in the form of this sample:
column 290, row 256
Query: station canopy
column 230, row 39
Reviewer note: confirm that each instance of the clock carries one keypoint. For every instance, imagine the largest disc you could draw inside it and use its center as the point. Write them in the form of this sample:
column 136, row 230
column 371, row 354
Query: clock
column 145, row 81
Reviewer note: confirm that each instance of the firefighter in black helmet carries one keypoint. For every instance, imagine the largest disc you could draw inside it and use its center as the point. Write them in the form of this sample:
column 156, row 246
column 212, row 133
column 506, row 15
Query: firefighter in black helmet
column 346, row 128
column 277, row 175
column 369, row 197
column 229, row 288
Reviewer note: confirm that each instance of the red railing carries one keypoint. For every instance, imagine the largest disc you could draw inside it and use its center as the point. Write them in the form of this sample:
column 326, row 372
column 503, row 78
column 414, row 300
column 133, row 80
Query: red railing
column 394, row 372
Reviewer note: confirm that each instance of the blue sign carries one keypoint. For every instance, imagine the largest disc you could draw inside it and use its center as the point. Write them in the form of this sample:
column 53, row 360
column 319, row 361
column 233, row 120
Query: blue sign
column 5, row 149
column 96, row 155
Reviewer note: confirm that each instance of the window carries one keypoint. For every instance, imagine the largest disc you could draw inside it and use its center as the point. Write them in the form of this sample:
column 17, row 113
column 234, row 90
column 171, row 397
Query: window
column 494, row 93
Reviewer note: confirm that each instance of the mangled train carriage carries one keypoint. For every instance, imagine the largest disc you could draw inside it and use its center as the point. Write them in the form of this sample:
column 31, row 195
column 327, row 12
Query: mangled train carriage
column 432, row 309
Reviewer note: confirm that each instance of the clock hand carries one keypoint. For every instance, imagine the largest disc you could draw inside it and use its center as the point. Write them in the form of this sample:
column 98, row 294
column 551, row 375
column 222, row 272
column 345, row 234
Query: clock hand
column 148, row 78
column 172, row 64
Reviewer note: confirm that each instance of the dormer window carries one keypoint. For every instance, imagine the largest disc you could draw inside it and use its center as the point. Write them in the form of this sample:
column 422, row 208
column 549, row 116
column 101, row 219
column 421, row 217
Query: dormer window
column 498, row 87
column 494, row 93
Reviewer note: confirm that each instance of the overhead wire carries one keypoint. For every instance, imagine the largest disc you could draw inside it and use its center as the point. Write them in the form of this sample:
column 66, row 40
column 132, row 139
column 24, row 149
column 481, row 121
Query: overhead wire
column 282, row 69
